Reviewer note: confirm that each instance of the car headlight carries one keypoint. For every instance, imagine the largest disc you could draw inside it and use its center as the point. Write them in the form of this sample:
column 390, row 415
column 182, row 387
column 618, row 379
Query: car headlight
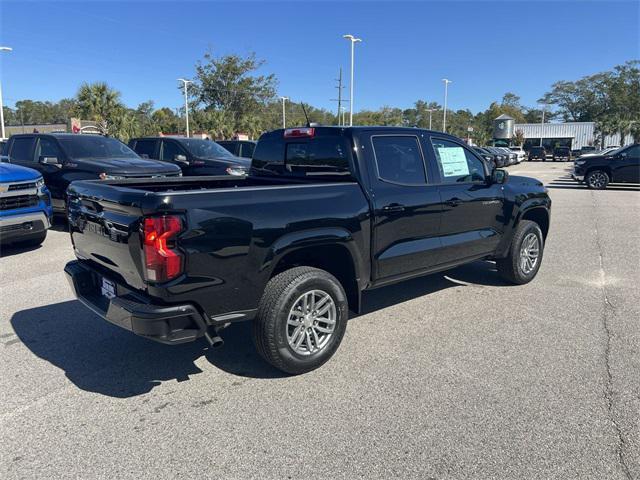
column 39, row 183
column 237, row 171
column 580, row 162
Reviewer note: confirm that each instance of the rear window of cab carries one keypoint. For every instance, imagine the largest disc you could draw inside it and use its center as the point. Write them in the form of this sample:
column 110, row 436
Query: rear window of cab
column 319, row 156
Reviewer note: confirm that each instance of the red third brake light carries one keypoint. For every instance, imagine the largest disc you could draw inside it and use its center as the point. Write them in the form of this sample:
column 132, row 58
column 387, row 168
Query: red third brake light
column 299, row 132
column 162, row 262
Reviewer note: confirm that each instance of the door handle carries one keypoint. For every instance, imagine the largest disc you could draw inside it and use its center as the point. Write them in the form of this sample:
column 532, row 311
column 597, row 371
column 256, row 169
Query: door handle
column 453, row 202
column 393, row 208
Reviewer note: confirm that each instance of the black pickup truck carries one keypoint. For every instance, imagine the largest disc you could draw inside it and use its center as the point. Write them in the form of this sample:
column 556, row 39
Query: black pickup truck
column 62, row 158
column 326, row 213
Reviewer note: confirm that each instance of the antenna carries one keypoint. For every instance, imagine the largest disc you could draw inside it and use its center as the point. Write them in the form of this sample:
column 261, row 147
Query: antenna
column 305, row 114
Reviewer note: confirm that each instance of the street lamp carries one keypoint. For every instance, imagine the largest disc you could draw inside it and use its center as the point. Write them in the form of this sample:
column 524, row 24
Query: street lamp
column 284, row 114
column 444, row 116
column 542, row 125
column 186, row 102
column 353, row 42
column 430, row 110
column 2, row 49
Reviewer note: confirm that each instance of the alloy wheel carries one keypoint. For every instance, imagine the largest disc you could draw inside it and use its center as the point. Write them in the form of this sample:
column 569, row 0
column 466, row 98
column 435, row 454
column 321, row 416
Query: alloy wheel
column 311, row 322
column 529, row 253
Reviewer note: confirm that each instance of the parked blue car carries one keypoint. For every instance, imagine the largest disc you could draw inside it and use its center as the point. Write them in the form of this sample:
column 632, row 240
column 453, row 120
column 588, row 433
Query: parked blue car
column 25, row 206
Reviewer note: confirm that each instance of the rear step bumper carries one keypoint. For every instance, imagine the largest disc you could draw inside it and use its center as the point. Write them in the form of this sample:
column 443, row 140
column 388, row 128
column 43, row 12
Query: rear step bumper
column 170, row 324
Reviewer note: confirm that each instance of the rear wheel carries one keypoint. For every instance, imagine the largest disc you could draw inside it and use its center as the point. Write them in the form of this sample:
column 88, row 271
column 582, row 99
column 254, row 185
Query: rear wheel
column 525, row 254
column 301, row 319
column 597, row 180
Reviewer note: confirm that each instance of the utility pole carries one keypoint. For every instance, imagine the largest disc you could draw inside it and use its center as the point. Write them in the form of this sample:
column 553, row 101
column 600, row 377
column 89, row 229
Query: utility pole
column 186, row 102
column 284, row 113
column 339, row 99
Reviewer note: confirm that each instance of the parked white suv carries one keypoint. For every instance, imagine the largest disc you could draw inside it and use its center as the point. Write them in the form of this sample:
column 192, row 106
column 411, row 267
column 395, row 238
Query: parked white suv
column 519, row 151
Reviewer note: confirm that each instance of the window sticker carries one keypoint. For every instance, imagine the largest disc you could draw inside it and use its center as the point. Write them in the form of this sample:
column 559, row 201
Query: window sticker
column 453, row 161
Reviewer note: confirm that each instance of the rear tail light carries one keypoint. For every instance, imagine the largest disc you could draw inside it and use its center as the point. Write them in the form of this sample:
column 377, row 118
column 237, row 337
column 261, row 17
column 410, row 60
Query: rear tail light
column 163, row 261
column 299, row 132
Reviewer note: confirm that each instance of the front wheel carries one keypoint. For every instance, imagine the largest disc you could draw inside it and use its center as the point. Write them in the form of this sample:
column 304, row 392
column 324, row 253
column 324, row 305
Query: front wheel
column 525, row 254
column 597, row 180
column 301, row 319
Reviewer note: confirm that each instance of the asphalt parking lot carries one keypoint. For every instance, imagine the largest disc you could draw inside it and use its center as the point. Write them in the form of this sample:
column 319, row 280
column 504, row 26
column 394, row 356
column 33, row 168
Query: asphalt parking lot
column 455, row 375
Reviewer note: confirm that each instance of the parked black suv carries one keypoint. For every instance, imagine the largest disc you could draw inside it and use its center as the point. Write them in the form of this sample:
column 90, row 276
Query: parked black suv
column 62, row 158
column 194, row 156
column 561, row 154
column 327, row 213
column 537, row 153
column 620, row 166
column 239, row 148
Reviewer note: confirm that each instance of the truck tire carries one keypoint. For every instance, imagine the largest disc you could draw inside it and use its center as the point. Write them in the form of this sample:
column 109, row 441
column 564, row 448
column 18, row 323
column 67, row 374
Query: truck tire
column 525, row 254
column 597, row 179
column 301, row 319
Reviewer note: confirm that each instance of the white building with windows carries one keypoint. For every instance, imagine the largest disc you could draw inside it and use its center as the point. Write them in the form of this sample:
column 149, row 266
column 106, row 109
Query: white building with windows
column 570, row 134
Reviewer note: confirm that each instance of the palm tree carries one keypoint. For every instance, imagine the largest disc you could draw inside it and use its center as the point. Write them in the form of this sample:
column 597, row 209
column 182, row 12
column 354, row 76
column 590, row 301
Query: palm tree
column 100, row 103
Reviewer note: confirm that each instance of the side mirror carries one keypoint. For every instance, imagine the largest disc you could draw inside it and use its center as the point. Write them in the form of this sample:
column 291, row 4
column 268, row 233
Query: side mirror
column 623, row 154
column 50, row 161
column 144, row 155
column 5, row 159
column 499, row 176
column 181, row 159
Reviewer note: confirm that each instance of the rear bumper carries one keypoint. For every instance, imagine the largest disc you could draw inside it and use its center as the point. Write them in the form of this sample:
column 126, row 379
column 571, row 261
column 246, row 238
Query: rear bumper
column 169, row 324
column 20, row 226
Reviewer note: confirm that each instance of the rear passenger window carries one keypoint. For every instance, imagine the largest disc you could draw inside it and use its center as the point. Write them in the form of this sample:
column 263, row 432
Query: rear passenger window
column 456, row 163
column 145, row 147
column 21, row 150
column 399, row 159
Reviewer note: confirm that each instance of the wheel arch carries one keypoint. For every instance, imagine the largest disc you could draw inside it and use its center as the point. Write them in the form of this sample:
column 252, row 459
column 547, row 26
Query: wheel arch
column 332, row 250
column 539, row 215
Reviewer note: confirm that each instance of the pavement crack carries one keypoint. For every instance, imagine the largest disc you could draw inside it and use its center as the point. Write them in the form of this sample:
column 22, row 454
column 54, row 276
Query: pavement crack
column 609, row 308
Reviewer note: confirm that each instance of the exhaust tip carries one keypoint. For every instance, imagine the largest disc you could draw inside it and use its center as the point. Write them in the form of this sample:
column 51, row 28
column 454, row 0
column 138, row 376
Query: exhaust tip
column 215, row 341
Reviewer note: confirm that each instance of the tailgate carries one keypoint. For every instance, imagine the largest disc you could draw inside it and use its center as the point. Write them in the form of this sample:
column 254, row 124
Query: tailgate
column 104, row 222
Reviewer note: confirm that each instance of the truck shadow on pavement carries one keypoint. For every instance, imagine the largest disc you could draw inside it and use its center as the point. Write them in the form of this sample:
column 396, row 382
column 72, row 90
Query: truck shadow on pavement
column 99, row 357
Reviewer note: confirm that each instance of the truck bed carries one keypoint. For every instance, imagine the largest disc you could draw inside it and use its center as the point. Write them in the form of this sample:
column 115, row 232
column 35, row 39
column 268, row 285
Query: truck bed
column 233, row 230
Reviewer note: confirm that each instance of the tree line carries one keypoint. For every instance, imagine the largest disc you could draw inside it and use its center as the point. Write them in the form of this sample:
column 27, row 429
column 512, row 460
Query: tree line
column 228, row 95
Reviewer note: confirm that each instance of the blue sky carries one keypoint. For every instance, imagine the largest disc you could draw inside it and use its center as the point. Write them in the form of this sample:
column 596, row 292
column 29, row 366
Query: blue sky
column 486, row 48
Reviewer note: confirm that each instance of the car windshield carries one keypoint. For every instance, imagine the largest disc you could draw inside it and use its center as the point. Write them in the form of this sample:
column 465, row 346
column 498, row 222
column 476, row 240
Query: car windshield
column 205, row 148
column 94, row 146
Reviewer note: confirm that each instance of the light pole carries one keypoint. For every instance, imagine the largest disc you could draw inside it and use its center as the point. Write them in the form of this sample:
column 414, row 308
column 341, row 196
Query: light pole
column 2, row 49
column 353, row 42
column 444, row 115
column 542, row 125
column 284, row 114
column 186, row 102
column 430, row 110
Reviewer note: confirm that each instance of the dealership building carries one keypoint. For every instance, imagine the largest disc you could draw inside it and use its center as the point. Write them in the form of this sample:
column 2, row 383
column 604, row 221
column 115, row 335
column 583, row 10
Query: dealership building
column 574, row 135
